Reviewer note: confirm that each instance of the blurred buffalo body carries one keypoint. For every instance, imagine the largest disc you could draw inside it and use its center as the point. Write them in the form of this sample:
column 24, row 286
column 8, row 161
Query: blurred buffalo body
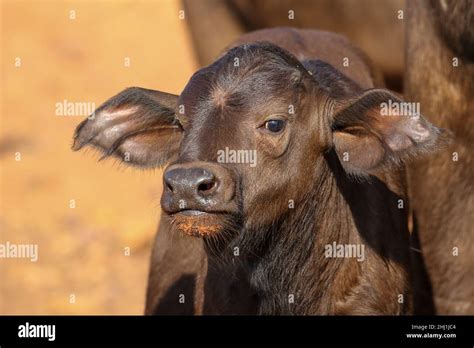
column 440, row 76
column 375, row 26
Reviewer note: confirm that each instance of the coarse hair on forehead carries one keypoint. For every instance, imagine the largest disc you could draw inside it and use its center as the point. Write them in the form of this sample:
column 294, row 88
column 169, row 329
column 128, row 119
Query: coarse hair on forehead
column 264, row 52
column 255, row 58
column 245, row 71
column 253, row 69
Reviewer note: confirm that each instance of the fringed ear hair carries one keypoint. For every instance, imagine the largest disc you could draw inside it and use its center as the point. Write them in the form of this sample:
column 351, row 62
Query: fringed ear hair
column 378, row 129
column 137, row 125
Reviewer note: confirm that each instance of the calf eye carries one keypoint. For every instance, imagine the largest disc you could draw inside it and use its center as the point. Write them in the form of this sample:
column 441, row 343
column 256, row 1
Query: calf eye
column 274, row 126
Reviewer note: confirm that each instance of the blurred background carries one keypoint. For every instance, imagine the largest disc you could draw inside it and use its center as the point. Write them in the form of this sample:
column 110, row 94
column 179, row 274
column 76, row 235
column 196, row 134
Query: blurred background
column 83, row 215
column 81, row 249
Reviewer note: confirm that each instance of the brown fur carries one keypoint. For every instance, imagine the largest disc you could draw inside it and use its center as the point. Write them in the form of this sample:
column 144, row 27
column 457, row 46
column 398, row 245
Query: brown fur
column 280, row 246
column 368, row 23
column 442, row 190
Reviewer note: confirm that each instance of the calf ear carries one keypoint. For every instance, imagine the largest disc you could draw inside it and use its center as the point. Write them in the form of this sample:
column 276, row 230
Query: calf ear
column 137, row 125
column 377, row 129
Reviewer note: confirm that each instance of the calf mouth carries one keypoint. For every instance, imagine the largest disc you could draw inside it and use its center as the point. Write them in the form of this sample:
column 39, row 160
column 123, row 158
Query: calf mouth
column 199, row 223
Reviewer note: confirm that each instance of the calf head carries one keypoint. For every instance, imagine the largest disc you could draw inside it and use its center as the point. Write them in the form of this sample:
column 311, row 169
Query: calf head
column 249, row 133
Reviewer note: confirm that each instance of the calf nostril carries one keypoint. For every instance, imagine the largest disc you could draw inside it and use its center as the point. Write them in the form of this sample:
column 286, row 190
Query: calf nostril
column 206, row 186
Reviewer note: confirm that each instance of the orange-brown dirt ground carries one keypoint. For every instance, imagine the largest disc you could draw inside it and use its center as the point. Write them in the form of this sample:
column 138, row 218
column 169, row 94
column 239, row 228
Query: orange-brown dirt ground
column 81, row 249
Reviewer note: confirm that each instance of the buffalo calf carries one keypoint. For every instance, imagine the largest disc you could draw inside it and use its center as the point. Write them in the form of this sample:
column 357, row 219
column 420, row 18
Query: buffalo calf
column 285, row 189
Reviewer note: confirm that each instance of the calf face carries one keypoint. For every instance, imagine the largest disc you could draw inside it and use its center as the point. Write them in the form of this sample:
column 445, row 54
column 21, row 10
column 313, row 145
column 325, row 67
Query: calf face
column 256, row 104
